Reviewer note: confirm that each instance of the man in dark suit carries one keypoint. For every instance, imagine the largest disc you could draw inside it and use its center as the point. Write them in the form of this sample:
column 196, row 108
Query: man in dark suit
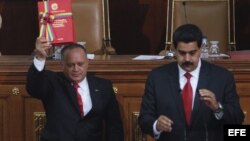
column 191, row 99
column 78, row 107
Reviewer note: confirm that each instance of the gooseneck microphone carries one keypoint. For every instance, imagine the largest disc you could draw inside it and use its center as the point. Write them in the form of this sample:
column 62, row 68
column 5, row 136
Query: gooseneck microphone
column 205, row 120
column 206, row 135
column 185, row 134
column 185, row 11
column 170, row 54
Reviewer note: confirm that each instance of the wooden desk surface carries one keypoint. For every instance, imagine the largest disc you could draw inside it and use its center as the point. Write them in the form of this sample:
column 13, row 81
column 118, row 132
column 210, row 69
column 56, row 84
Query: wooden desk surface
column 112, row 63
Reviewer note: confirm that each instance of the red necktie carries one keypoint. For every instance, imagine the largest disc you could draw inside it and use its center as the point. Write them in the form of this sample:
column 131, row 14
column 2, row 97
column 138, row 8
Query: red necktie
column 187, row 98
column 79, row 98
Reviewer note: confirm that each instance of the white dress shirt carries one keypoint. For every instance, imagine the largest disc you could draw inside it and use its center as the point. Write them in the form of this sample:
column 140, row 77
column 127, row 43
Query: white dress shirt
column 83, row 88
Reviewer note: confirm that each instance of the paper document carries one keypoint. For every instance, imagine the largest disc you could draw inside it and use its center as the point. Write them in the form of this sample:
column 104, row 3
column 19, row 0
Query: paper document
column 91, row 56
column 149, row 57
column 221, row 55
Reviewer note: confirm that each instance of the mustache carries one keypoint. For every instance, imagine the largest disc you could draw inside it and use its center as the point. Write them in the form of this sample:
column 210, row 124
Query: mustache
column 187, row 63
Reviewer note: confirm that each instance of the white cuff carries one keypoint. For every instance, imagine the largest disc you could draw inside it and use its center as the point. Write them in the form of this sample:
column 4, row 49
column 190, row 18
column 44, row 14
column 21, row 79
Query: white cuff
column 39, row 64
column 156, row 132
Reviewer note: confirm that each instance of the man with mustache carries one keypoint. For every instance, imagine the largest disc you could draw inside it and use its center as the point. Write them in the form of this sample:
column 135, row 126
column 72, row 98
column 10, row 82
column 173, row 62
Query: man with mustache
column 191, row 99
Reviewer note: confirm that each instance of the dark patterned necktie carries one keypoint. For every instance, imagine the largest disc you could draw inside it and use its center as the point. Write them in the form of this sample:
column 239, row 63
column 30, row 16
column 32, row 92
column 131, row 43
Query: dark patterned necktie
column 79, row 99
column 187, row 98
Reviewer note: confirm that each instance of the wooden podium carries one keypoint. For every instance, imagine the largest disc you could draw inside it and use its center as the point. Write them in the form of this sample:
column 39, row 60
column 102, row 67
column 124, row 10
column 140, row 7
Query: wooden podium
column 22, row 117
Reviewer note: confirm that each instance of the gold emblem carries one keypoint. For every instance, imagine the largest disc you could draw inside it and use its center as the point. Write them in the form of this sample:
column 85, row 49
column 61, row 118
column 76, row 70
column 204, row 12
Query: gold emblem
column 54, row 6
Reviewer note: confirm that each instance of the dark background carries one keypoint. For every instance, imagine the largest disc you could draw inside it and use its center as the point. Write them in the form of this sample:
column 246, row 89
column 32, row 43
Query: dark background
column 137, row 26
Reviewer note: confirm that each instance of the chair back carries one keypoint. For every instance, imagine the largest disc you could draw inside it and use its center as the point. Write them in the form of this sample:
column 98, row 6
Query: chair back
column 214, row 17
column 90, row 22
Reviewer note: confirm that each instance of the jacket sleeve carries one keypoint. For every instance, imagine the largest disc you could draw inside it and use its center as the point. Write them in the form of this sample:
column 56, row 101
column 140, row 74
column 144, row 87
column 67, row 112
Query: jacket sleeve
column 38, row 83
column 148, row 110
column 232, row 110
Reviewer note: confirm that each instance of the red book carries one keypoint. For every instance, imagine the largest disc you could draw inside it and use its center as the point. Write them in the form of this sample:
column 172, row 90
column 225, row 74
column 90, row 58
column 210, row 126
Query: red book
column 56, row 21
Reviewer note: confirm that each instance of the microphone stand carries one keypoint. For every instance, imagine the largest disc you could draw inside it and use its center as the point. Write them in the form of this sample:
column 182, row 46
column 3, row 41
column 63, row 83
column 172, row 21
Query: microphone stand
column 206, row 132
column 185, row 11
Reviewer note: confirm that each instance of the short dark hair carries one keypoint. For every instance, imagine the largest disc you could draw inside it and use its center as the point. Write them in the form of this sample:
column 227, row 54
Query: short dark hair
column 70, row 47
column 187, row 33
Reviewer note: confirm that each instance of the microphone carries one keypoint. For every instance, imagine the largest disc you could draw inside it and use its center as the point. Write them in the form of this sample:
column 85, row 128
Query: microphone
column 185, row 127
column 170, row 55
column 185, row 11
column 206, row 132
column 0, row 21
column 205, row 116
column 185, row 134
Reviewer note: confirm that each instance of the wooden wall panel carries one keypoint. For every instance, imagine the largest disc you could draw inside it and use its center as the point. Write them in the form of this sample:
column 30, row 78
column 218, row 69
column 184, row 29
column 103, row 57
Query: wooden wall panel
column 243, row 90
column 11, row 111
column 245, row 104
column 3, row 117
column 32, row 127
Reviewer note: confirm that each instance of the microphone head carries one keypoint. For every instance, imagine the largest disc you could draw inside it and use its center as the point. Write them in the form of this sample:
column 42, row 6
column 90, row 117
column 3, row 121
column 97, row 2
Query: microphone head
column 170, row 55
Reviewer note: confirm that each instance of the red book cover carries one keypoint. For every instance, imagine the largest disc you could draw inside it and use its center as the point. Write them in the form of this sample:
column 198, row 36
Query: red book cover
column 56, row 21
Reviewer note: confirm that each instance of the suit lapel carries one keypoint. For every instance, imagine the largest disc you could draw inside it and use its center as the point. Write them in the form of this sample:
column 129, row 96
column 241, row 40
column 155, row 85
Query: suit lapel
column 70, row 92
column 94, row 94
column 176, row 91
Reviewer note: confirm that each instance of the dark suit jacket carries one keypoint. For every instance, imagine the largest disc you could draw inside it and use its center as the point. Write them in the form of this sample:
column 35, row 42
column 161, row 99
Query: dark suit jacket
column 64, row 122
column 163, row 97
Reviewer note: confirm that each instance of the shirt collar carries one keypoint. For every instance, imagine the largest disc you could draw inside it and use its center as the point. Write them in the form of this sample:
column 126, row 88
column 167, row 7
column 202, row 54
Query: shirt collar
column 83, row 83
column 194, row 73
